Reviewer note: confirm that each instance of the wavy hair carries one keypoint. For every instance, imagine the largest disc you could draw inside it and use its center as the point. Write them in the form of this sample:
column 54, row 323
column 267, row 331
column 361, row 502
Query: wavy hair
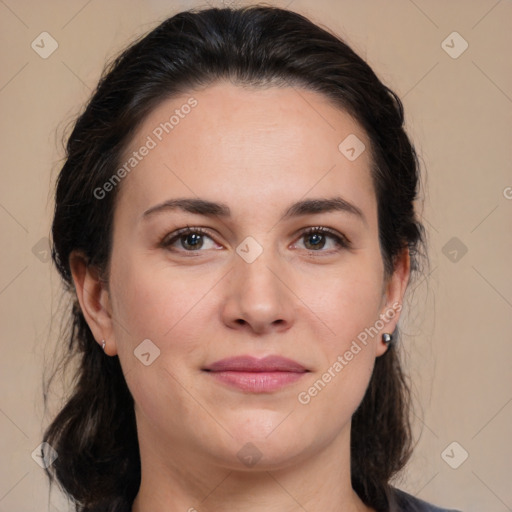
column 94, row 433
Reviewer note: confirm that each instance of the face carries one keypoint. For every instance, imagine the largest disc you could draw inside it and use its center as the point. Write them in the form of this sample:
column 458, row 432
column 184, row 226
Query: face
column 253, row 281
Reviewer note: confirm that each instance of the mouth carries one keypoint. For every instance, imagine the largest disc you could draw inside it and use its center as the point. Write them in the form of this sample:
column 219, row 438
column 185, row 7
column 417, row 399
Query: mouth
column 257, row 382
column 253, row 364
column 254, row 375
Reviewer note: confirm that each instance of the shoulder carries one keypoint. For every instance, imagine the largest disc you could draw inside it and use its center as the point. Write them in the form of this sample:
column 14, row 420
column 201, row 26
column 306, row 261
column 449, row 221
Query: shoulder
column 408, row 503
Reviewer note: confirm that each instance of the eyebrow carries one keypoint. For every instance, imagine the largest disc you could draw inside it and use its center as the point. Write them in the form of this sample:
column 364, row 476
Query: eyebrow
column 212, row 209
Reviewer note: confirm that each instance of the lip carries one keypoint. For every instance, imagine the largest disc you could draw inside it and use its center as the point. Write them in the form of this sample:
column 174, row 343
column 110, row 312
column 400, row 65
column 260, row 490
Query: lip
column 253, row 364
column 254, row 375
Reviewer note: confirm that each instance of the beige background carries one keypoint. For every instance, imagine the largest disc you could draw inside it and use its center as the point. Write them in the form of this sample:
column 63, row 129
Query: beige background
column 459, row 110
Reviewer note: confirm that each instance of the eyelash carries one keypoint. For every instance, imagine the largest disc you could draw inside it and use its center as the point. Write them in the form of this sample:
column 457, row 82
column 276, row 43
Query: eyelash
column 341, row 241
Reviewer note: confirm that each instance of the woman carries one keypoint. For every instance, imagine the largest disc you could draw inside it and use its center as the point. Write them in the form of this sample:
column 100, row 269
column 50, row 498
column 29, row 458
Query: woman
column 235, row 221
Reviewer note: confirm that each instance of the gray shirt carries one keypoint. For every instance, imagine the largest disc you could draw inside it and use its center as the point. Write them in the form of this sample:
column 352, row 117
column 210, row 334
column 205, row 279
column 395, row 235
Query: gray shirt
column 408, row 503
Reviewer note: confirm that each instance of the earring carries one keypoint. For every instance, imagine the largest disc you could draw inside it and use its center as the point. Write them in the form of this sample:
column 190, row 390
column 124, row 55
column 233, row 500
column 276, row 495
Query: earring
column 387, row 338
column 103, row 345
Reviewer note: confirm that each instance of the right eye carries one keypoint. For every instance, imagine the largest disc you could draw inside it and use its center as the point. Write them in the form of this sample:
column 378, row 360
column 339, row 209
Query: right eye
column 191, row 239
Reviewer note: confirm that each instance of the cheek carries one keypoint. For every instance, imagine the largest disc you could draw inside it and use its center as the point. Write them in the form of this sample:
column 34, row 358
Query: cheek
column 154, row 306
column 349, row 306
column 163, row 310
column 158, row 303
column 350, row 300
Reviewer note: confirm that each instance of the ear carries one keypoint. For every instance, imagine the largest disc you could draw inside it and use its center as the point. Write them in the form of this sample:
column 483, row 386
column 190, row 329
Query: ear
column 393, row 295
column 93, row 296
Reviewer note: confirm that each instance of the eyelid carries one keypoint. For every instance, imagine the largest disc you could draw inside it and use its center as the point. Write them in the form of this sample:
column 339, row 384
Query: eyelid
column 175, row 235
column 341, row 240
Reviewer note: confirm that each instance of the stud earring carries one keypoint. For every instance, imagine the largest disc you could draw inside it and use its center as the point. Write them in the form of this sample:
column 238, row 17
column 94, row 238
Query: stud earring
column 387, row 338
column 103, row 345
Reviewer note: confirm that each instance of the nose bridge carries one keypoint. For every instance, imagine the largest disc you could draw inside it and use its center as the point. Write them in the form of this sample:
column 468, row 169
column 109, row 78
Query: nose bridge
column 256, row 266
column 257, row 295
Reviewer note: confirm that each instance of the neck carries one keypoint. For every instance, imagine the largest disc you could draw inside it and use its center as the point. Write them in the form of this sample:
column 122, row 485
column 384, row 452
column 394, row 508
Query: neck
column 182, row 481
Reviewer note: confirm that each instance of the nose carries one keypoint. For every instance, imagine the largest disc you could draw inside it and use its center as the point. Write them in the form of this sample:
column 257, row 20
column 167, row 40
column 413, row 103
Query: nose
column 257, row 297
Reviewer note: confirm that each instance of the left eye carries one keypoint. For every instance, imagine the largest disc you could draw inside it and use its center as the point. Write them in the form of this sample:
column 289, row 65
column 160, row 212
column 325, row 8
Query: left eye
column 192, row 239
column 316, row 237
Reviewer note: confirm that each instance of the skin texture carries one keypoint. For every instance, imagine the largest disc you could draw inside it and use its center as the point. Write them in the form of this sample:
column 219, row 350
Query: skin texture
column 258, row 151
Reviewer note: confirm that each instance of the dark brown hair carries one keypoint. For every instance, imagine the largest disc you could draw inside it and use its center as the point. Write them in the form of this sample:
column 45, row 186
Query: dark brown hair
column 258, row 46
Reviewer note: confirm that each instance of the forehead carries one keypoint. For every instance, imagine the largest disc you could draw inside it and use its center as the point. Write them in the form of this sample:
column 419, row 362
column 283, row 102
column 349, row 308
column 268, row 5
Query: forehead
column 248, row 147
